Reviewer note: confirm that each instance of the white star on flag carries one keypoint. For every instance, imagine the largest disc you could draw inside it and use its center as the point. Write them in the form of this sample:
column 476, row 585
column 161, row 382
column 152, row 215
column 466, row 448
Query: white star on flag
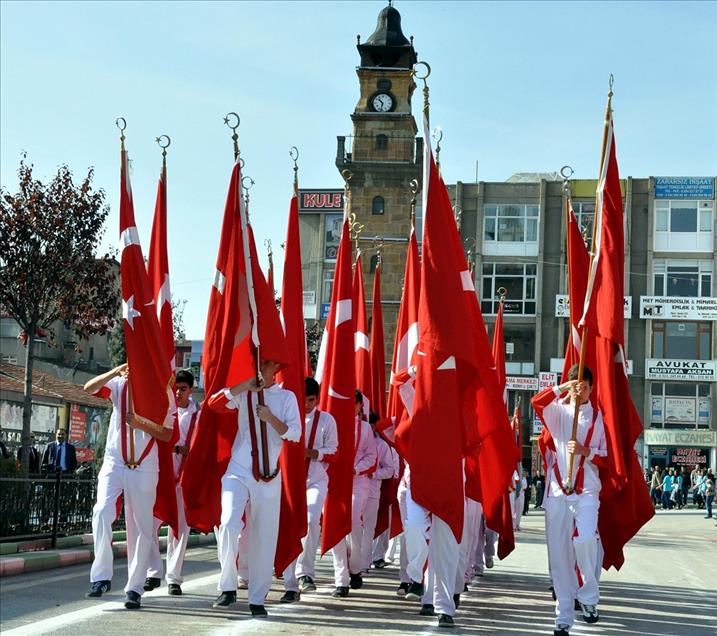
column 129, row 313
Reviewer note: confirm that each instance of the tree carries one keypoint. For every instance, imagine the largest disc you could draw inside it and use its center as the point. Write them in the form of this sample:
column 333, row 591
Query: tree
column 49, row 268
column 178, row 305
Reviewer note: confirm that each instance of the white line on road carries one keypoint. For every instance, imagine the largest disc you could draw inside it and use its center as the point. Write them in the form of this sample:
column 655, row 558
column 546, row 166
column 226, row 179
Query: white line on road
column 49, row 625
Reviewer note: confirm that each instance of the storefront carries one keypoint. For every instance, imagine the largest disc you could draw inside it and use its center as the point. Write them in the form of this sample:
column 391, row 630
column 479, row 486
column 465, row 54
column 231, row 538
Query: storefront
column 681, row 448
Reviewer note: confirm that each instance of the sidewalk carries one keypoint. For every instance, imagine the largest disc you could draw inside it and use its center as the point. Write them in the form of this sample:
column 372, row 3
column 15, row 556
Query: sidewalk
column 33, row 556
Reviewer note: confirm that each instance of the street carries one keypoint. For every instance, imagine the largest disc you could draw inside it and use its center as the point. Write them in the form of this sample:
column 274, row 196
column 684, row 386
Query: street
column 665, row 587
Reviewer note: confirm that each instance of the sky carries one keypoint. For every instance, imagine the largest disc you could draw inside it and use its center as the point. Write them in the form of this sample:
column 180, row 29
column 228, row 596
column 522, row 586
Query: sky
column 515, row 87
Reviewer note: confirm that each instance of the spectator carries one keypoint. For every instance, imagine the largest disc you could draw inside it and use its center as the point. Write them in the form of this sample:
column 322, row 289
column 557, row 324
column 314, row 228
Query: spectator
column 656, row 485
column 528, row 493
column 709, row 494
column 538, row 492
column 699, row 491
column 59, row 455
column 34, row 464
column 685, row 486
column 667, row 490
column 695, row 478
column 675, row 496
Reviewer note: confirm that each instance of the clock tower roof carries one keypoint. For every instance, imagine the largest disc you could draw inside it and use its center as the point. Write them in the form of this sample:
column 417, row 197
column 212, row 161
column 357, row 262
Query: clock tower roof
column 387, row 46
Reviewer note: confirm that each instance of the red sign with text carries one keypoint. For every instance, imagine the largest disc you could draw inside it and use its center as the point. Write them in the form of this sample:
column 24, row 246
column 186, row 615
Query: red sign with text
column 78, row 424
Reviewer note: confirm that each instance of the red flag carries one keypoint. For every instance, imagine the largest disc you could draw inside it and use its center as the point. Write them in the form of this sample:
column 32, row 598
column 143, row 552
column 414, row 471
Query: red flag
column 404, row 348
column 150, row 377
column 498, row 351
column 377, row 352
column 455, row 383
column 292, row 519
column 228, row 323
column 336, row 375
column 362, row 359
column 165, row 507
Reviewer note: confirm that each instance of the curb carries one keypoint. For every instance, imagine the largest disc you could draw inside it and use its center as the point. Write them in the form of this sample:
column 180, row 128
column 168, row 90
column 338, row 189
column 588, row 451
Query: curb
column 79, row 549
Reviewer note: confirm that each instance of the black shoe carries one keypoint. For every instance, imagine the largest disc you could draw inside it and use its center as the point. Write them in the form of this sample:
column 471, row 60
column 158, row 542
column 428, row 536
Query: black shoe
column 552, row 592
column 174, row 589
column 306, row 584
column 402, row 589
column 151, row 583
column 257, row 611
column 578, row 607
column 562, row 630
column 225, row 599
column 356, row 581
column 132, row 600
column 427, row 610
column 590, row 613
column 340, row 592
column 465, row 587
column 379, row 563
column 290, row 597
column 446, row 621
column 414, row 591
column 98, row 588
column 456, row 600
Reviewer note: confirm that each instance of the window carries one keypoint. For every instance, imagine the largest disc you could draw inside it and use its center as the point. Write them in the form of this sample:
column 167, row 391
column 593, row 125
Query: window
column 9, row 359
column 373, row 263
column 585, row 214
column 381, row 142
column 519, row 279
column 328, row 286
column 9, row 328
column 377, row 205
column 682, row 278
column 681, row 340
column 510, row 228
column 682, row 225
column 680, row 405
column 521, row 339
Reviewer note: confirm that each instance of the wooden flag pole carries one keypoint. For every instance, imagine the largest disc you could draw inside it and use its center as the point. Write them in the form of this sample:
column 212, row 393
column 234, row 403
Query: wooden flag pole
column 568, row 481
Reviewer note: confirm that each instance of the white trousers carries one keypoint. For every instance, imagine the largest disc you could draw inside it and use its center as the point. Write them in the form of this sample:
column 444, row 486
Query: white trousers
column 347, row 552
column 518, row 503
column 370, row 515
column 402, row 555
column 304, row 565
column 262, row 520
column 176, row 547
column 563, row 516
column 415, row 530
column 441, row 577
column 471, row 526
column 380, row 543
column 140, row 491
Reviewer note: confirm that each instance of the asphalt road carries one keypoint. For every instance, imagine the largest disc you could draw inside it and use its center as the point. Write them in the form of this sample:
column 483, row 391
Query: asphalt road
column 666, row 587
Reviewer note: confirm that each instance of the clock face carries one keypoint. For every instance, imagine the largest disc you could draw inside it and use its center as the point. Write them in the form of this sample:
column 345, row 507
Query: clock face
column 382, row 102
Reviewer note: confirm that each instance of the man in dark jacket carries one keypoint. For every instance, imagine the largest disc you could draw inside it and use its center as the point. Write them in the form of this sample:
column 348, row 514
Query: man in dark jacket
column 59, row 455
column 34, row 464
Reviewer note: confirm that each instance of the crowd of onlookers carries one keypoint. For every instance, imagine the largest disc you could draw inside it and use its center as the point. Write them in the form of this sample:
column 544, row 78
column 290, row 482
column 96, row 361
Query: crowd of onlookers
column 671, row 488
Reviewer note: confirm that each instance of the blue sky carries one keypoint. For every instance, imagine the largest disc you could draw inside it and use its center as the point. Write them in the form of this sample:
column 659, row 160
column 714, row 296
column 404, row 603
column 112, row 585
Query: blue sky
column 516, row 86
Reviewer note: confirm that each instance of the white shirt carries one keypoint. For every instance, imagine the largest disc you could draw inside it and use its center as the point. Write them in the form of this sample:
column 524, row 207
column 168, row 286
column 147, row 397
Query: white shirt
column 184, row 416
column 283, row 405
column 326, row 442
column 113, row 449
column 365, row 446
column 558, row 418
column 386, row 468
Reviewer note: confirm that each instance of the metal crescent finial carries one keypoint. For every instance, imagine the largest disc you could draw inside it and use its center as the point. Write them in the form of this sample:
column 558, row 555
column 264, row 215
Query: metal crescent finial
column 566, row 172
column 347, row 175
column 414, row 187
column 228, row 116
column 502, row 293
column 121, row 123
column 163, row 141
column 294, row 154
column 247, row 179
column 241, row 162
column 438, row 135
column 428, row 70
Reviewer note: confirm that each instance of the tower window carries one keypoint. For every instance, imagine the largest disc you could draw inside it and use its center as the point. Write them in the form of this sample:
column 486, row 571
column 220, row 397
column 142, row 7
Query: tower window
column 381, row 142
column 377, row 205
column 383, row 84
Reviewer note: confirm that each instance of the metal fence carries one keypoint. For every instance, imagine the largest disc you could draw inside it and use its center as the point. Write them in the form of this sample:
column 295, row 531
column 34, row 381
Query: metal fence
column 44, row 506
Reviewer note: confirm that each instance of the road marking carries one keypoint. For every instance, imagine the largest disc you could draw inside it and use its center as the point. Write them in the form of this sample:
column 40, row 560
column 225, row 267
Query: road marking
column 50, row 625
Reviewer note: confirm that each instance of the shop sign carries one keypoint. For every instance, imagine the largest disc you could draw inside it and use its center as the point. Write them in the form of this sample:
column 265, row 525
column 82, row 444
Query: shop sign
column 537, row 426
column 562, row 306
column 547, row 379
column 684, row 188
column 680, row 410
column 691, row 370
column 325, row 310
column 688, row 456
column 321, row 200
column 660, row 437
column 333, row 224
column 521, row 383
column 678, row 308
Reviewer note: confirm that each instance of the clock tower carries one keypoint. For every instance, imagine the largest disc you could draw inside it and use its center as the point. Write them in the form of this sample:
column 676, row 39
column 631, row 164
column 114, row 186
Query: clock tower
column 383, row 156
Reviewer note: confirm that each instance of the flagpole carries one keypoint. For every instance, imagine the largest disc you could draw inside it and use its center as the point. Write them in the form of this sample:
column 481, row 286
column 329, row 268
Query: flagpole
column 121, row 123
column 568, row 482
column 294, row 154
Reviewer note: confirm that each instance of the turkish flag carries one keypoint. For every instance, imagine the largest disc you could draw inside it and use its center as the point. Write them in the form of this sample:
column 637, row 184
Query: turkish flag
column 151, row 377
column 228, row 323
column 498, row 352
column 377, row 353
column 362, row 361
column 165, row 507
column 457, row 409
column 404, row 348
column 292, row 519
column 336, row 374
